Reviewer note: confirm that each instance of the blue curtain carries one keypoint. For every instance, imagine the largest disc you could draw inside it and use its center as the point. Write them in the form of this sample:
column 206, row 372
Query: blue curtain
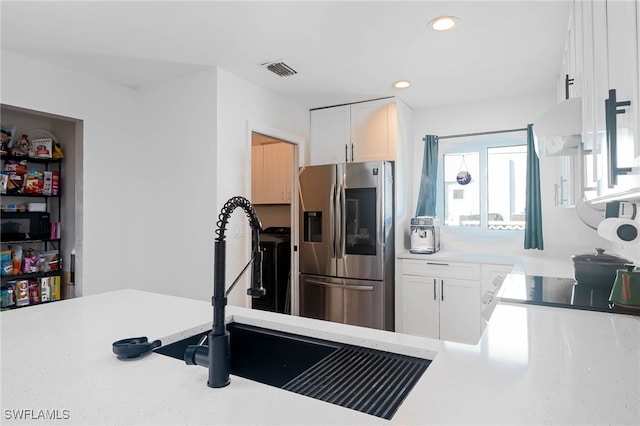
column 427, row 192
column 533, row 207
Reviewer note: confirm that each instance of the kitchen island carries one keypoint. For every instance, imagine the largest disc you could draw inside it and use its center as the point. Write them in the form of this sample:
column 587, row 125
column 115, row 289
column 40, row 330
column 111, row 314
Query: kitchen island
column 533, row 365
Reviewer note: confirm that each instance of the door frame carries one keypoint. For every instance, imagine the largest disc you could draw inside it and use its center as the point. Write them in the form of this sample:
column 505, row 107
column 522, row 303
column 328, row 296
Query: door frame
column 299, row 146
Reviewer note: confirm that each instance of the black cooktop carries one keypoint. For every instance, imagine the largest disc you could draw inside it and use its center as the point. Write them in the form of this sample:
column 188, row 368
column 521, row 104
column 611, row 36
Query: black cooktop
column 559, row 292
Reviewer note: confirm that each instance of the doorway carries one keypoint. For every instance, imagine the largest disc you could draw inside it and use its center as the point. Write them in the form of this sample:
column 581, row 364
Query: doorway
column 273, row 186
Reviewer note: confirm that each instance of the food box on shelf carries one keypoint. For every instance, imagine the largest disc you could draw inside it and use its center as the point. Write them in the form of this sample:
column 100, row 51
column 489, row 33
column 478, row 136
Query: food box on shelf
column 37, row 207
column 41, row 147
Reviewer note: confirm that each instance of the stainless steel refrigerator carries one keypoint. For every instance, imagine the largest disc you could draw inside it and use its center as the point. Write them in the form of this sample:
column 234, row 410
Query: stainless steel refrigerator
column 347, row 243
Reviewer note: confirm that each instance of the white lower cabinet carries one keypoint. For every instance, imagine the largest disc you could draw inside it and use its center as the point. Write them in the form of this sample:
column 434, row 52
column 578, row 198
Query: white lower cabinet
column 441, row 300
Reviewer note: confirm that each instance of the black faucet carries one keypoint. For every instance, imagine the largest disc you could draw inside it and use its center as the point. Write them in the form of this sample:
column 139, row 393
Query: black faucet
column 217, row 355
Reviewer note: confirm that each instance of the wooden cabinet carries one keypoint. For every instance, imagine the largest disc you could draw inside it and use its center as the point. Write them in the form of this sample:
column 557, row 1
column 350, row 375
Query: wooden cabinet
column 441, row 300
column 364, row 131
column 271, row 173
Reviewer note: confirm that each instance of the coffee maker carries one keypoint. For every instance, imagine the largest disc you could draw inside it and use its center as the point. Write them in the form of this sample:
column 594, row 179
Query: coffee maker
column 425, row 234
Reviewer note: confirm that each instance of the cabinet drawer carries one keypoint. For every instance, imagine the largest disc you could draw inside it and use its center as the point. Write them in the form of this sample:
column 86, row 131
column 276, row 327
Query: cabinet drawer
column 441, row 269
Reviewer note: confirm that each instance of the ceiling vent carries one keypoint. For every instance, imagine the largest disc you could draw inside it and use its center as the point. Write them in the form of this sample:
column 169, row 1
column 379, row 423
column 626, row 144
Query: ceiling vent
column 280, row 68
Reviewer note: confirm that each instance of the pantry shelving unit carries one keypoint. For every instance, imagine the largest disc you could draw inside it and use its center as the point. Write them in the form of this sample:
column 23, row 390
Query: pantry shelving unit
column 50, row 277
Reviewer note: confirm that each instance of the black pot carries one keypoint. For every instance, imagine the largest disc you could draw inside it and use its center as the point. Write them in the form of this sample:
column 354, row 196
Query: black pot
column 597, row 270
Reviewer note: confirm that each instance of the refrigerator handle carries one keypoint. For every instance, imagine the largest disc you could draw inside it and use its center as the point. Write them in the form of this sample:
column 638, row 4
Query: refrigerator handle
column 341, row 224
column 342, row 286
column 332, row 222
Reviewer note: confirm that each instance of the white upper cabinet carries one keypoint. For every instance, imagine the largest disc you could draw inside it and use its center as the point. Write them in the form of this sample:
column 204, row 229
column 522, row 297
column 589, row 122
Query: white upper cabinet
column 364, row 131
column 611, row 143
column 621, row 120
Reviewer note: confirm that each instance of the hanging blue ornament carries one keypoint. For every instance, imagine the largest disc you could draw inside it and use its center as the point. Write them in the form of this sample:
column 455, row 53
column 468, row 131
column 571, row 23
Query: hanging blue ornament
column 463, row 177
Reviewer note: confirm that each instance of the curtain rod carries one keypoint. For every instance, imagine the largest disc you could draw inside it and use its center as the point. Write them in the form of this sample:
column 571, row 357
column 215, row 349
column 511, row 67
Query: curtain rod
column 482, row 133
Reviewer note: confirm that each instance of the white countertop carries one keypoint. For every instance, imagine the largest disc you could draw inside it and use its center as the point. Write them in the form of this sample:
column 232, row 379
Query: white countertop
column 531, row 265
column 533, row 365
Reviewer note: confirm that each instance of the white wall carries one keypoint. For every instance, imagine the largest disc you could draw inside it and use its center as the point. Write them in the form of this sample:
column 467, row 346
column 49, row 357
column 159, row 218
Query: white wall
column 108, row 112
column 242, row 107
column 159, row 163
column 564, row 234
column 172, row 220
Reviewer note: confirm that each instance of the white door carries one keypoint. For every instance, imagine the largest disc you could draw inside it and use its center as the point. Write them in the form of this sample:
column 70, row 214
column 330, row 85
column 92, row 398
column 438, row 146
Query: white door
column 420, row 306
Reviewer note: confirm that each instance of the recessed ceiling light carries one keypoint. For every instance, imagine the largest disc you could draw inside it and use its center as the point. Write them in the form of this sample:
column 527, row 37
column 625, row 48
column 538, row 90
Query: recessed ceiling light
column 443, row 23
column 401, row 84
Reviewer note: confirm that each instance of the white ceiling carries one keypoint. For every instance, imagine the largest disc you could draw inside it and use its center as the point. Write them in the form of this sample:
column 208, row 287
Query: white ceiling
column 342, row 51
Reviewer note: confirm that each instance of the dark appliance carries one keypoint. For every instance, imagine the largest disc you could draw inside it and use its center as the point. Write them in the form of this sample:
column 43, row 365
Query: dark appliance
column 18, row 226
column 597, row 269
column 347, row 243
column 275, row 244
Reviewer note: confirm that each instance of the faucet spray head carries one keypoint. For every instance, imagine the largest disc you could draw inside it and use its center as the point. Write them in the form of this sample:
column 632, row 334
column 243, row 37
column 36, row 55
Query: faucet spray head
column 256, row 290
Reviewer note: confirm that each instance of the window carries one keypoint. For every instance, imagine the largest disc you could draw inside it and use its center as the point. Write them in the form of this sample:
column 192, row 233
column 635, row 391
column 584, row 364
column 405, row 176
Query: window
column 492, row 197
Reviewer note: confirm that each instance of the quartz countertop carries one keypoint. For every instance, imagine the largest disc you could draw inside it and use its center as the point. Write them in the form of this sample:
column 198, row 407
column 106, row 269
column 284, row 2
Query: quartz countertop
column 532, row 265
column 533, row 365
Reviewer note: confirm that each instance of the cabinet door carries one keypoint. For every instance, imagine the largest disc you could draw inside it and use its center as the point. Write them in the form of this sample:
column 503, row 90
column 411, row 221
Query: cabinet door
column 600, row 84
column 420, row 306
column 612, row 65
column 330, row 135
column 373, row 126
column 572, row 63
column 577, row 60
column 273, row 175
column 622, row 50
column 460, row 319
column 589, row 168
column 564, row 187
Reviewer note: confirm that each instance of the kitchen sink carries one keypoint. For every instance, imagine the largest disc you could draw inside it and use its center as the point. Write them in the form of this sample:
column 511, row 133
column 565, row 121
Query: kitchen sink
column 367, row 380
column 260, row 354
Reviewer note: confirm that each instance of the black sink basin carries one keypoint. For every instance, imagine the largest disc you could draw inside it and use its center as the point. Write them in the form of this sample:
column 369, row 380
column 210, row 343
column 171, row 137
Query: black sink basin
column 368, row 380
column 266, row 356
